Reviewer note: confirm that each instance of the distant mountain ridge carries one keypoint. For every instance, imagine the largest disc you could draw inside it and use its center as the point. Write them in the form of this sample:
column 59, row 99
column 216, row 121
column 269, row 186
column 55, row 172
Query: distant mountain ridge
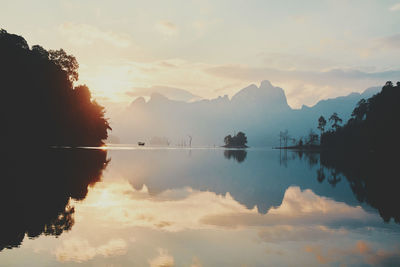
column 261, row 112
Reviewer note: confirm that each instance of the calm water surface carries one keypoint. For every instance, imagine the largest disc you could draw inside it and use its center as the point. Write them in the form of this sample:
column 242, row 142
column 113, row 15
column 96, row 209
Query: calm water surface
column 192, row 207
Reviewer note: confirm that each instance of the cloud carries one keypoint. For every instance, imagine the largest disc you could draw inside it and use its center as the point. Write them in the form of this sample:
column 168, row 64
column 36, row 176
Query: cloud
column 283, row 233
column 196, row 262
column 162, row 260
column 298, row 208
column 170, row 92
column 338, row 76
column 84, row 34
column 79, row 250
column 389, row 42
column 300, row 213
column 361, row 252
column 166, row 28
column 395, row 7
column 171, row 210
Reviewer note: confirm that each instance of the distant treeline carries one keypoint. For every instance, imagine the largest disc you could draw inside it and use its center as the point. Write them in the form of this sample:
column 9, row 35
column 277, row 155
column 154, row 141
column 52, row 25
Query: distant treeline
column 373, row 126
column 40, row 104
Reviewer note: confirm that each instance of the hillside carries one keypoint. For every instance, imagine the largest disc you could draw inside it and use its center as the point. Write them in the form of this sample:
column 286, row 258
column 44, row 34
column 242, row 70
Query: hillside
column 259, row 111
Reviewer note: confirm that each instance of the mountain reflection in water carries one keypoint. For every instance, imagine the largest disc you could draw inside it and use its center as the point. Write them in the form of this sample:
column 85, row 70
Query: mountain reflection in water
column 371, row 176
column 197, row 207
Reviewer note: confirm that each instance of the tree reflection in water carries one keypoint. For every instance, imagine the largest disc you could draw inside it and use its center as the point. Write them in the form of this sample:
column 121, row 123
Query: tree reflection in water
column 36, row 187
column 373, row 177
column 237, row 154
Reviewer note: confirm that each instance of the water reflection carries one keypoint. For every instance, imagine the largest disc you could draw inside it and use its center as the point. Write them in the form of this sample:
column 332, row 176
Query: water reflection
column 36, row 187
column 238, row 155
column 371, row 177
column 166, row 207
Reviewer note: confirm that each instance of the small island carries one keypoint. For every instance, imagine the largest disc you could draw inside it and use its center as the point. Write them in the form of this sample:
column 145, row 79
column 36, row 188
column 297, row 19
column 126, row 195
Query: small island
column 237, row 141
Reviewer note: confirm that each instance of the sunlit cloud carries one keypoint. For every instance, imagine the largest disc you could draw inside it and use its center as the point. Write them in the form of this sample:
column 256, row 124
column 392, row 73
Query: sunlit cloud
column 85, row 34
column 395, row 7
column 297, row 208
column 361, row 252
column 162, row 260
column 167, row 28
column 79, row 250
column 179, row 209
column 196, row 262
column 283, row 233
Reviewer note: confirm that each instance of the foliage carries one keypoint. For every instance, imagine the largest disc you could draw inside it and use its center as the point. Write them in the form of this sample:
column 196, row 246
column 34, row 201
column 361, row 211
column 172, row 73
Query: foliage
column 312, row 138
column 39, row 103
column 336, row 121
column 321, row 124
column 373, row 125
column 239, row 140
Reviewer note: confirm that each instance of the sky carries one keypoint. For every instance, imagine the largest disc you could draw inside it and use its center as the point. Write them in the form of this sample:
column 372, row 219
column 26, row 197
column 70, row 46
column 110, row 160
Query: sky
column 312, row 49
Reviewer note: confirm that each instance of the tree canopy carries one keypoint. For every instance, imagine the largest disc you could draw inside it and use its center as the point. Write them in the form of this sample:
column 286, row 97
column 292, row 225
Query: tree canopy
column 238, row 140
column 373, row 125
column 39, row 103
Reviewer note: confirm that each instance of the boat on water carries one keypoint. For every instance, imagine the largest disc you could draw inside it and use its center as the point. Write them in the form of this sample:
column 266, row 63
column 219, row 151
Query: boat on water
column 140, row 143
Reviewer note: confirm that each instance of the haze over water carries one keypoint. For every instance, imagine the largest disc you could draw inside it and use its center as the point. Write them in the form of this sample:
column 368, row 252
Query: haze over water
column 215, row 207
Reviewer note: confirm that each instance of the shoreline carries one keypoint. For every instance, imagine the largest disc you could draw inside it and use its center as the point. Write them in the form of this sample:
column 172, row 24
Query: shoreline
column 300, row 148
column 240, row 147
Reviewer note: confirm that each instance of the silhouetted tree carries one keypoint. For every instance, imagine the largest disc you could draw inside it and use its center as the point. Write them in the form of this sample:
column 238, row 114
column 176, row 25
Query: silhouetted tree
column 228, row 140
column 312, row 138
column 238, row 155
column 320, row 175
column 241, row 138
column 334, row 118
column 66, row 62
column 360, row 110
column 373, row 125
column 284, row 137
column 238, row 140
column 40, row 104
column 321, row 124
column 300, row 143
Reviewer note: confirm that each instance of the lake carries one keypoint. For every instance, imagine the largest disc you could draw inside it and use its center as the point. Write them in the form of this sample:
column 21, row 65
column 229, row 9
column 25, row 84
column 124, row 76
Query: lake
column 130, row 206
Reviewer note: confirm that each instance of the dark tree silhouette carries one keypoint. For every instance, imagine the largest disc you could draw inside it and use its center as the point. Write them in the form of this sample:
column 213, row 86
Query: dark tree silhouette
column 321, row 124
column 36, row 187
column 312, row 138
column 228, row 139
column 40, row 104
column 238, row 155
column 336, row 121
column 239, row 140
column 360, row 110
column 372, row 177
column 373, row 125
column 321, row 175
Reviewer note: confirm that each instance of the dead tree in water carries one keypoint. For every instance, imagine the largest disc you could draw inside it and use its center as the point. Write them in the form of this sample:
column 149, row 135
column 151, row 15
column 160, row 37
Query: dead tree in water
column 190, row 140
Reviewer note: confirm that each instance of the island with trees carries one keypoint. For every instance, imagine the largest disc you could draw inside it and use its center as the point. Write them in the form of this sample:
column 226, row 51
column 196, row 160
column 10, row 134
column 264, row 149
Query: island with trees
column 40, row 103
column 236, row 141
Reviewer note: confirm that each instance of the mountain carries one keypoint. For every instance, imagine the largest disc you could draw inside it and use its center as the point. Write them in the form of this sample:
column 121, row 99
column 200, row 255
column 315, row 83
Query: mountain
column 259, row 111
column 170, row 92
